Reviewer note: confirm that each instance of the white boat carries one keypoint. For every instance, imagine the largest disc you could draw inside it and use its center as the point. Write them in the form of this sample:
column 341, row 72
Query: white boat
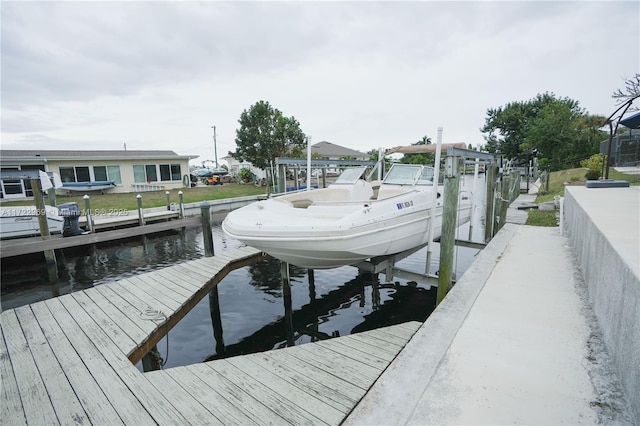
column 346, row 222
column 22, row 221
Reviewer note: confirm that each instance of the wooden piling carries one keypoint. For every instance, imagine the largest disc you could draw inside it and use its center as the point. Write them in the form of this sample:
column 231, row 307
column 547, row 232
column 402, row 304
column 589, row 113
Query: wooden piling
column 449, row 225
column 140, row 210
column 181, row 197
column 505, row 193
column 216, row 320
column 87, row 212
column 286, row 298
column 490, row 176
column 41, row 213
column 168, row 194
column 207, row 233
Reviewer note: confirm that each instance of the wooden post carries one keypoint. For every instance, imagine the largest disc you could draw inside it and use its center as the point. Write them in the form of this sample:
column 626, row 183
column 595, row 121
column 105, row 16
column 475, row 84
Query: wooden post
column 505, row 191
column 282, row 178
column 87, row 212
column 181, row 196
column 41, row 213
column 288, row 308
column 140, row 211
column 216, row 320
column 168, row 194
column 51, row 193
column 152, row 361
column 490, row 175
column 207, row 233
column 449, row 219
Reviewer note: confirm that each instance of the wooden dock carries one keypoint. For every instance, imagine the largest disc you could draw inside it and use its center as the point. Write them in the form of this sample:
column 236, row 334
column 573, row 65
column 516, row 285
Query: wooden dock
column 70, row 360
column 22, row 246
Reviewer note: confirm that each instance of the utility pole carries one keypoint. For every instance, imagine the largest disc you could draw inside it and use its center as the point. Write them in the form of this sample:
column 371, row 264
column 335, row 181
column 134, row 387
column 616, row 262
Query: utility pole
column 215, row 148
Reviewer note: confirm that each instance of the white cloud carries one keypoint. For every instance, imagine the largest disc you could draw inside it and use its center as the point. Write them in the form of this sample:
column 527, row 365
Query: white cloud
column 359, row 74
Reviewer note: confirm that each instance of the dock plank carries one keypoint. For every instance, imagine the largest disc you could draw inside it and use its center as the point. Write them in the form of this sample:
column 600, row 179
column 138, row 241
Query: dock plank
column 168, row 297
column 95, row 403
column 153, row 401
column 283, row 407
column 10, row 403
column 351, row 347
column 125, row 315
column 343, row 390
column 129, row 408
column 376, row 344
column 35, row 400
column 163, row 283
column 272, row 363
column 228, row 412
column 150, row 301
column 118, row 336
column 254, row 408
column 185, row 401
column 63, row 399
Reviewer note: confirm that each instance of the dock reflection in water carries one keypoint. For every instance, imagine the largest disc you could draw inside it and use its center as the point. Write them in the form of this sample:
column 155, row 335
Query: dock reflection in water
column 325, row 304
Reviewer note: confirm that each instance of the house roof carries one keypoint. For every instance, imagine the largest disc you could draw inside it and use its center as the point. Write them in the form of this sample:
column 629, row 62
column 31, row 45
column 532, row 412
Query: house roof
column 328, row 150
column 42, row 154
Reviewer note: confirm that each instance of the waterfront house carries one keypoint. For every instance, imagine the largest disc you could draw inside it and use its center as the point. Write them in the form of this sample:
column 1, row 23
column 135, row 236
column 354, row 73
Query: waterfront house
column 129, row 170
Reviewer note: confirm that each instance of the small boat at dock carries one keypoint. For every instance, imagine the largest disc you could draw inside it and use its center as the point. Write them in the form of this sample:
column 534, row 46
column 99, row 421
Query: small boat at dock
column 22, row 221
column 349, row 221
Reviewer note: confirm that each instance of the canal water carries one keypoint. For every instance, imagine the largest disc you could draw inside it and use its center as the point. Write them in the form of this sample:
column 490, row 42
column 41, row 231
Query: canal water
column 330, row 303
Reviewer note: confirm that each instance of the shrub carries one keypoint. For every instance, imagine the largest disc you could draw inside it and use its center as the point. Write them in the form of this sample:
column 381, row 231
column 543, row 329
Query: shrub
column 245, row 174
column 592, row 174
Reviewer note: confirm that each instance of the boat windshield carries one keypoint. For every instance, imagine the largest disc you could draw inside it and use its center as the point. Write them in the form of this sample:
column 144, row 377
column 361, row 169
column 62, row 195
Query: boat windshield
column 426, row 177
column 351, row 175
column 402, row 174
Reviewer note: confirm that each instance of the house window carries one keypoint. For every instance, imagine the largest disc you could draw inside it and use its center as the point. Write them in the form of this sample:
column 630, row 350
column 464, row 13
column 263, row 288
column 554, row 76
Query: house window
column 139, row 175
column 90, row 174
column 100, row 172
column 75, row 174
column 170, row 172
column 114, row 174
column 149, row 172
column 107, row 173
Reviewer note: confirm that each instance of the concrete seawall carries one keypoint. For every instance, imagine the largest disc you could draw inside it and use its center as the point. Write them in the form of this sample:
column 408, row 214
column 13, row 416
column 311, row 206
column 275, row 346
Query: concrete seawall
column 603, row 227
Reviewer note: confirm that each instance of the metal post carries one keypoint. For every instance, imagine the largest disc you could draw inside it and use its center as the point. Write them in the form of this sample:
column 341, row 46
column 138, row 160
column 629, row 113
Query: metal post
column 207, row 233
column 181, row 196
column 449, row 219
column 168, row 194
column 87, row 212
column 140, row 211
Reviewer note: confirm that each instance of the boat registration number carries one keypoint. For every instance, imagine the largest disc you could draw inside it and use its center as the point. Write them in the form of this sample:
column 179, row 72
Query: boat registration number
column 404, row 205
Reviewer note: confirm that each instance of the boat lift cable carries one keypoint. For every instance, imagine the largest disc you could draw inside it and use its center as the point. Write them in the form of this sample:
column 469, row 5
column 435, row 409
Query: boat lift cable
column 152, row 314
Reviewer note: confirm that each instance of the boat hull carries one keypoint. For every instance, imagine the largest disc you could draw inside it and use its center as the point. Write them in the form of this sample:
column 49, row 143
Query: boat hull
column 338, row 236
column 22, row 221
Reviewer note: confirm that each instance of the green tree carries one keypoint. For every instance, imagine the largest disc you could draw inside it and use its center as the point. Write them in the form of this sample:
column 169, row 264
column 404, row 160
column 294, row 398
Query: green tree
column 556, row 130
column 265, row 133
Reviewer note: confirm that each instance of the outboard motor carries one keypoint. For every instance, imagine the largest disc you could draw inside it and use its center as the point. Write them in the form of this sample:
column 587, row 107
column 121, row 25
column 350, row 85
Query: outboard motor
column 71, row 213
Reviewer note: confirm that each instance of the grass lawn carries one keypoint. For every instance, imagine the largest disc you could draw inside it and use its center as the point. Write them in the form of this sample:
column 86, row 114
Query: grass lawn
column 155, row 198
column 557, row 183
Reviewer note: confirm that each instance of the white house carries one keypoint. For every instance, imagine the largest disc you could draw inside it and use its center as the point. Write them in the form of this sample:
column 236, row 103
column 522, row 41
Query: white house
column 130, row 171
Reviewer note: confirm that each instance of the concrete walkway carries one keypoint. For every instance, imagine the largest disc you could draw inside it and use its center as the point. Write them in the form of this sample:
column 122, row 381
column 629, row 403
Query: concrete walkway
column 515, row 341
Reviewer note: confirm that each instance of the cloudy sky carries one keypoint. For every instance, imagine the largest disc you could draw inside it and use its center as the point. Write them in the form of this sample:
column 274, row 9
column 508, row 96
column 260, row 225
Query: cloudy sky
column 159, row 75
